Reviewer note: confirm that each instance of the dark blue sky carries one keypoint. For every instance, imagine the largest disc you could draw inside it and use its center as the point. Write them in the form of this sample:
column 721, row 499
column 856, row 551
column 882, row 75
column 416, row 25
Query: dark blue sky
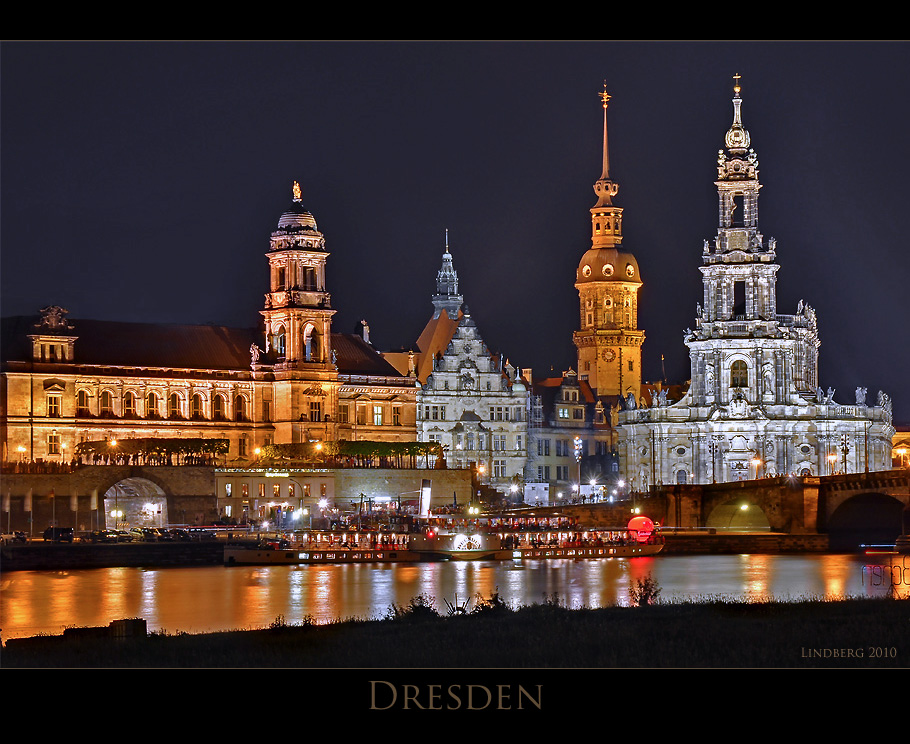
column 140, row 181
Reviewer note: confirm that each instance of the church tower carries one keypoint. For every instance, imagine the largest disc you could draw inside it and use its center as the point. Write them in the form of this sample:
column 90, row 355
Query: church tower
column 298, row 312
column 447, row 297
column 608, row 340
column 298, row 341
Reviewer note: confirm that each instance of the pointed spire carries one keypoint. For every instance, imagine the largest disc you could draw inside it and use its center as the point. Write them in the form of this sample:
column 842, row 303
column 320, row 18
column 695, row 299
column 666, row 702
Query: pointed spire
column 737, row 139
column 605, row 97
column 447, row 297
column 604, row 187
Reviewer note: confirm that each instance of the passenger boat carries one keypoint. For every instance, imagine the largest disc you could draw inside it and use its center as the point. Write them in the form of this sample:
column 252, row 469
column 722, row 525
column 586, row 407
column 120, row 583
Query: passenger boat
column 260, row 555
column 442, row 538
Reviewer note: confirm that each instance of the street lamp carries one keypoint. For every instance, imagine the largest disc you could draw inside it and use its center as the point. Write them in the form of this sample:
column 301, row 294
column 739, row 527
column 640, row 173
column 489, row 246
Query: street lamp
column 832, row 459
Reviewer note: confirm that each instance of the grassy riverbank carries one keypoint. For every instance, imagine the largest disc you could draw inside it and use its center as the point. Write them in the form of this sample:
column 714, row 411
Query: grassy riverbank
column 869, row 633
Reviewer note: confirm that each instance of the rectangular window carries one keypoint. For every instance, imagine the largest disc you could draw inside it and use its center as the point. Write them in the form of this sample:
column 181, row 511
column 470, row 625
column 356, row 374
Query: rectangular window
column 266, row 410
column 499, row 442
column 343, row 413
column 518, row 441
column 315, row 410
column 563, row 413
column 53, row 444
column 227, row 490
column 242, row 447
column 377, row 415
column 276, row 491
column 53, row 406
column 499, row 468
column 578, row 413
column 396, row 415
column 262, row 490
column 361, row 416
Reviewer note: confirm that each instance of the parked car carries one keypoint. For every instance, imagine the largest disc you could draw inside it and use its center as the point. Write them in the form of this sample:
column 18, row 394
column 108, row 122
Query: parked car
column 102, row 536
column 162, row 534
column 59, row 534
column 143, row 534
column 14, row 537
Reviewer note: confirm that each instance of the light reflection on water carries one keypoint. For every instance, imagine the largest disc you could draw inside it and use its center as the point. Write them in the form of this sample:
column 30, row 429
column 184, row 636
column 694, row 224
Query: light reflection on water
column 216, row 598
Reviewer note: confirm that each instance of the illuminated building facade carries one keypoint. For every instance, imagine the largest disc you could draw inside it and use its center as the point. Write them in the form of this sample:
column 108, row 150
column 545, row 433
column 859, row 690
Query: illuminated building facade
column 292, row 380
column 468, row 399
column 608, row 340
column 755, row 406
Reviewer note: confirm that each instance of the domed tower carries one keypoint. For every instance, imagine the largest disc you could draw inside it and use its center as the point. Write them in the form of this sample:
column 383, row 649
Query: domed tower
column 298, row 312
column 608, row 340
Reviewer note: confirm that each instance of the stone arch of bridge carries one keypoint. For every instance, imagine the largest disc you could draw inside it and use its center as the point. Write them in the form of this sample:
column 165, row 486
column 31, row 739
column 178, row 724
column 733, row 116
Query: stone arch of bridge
column 870, row 518
column 738, row 515
column 135, row 502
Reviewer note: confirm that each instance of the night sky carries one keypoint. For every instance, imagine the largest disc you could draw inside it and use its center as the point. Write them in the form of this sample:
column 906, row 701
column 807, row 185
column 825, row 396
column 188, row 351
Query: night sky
column 141, row 181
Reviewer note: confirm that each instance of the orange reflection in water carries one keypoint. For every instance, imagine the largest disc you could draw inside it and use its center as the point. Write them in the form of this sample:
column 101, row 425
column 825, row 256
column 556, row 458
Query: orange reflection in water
column 208, row 599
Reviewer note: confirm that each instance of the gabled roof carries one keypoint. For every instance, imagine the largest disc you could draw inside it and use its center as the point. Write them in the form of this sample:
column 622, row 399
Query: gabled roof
column 434, row 340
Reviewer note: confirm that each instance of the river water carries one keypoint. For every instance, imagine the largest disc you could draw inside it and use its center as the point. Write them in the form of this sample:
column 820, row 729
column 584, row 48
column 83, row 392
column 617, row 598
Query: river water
column 196, row 600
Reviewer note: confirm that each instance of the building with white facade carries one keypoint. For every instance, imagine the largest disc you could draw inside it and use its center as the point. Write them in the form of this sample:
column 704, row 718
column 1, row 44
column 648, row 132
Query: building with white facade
column 469, row 399
column 755, row 406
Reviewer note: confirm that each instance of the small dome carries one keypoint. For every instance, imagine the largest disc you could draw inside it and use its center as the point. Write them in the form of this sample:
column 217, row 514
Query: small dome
column 607, row 264
column 297, row 218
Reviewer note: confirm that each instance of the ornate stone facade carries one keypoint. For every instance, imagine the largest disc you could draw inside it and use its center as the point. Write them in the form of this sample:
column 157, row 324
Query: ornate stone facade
column 292, row 380
column 755, row 406
column 468, row 399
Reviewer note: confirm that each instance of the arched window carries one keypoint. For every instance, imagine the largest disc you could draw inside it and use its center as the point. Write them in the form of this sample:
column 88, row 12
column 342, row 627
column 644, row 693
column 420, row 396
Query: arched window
column 82, row 403
column 198, row 410
column 218, row 408
column 279, row 342
column 239, row 408
column 173, row 406
column 129, row 403
column 107, row 403
column 739, row 374
column 682, row 476
column 151, row 406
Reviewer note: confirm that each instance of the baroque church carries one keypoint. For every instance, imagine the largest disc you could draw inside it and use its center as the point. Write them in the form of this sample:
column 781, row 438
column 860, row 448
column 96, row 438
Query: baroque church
column 755, row 406
column 293, row 379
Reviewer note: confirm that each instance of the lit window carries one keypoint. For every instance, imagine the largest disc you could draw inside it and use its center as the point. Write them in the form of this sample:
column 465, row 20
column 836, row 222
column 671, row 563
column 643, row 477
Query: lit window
column 107, row 403
column 739, row 374
column 53, row 444
column 315, row 411
column 377, row 415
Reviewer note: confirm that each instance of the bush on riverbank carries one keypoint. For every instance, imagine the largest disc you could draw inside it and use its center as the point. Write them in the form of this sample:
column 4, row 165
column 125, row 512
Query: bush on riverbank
column 847, row 633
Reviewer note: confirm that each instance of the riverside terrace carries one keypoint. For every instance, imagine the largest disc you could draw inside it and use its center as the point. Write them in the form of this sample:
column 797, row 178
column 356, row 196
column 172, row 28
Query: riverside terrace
column 135, row 482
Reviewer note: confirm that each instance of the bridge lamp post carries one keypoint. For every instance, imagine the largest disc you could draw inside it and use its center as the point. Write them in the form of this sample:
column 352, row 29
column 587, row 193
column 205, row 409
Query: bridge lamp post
column 901, row 452
column 845, row 450
column 832, row 459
